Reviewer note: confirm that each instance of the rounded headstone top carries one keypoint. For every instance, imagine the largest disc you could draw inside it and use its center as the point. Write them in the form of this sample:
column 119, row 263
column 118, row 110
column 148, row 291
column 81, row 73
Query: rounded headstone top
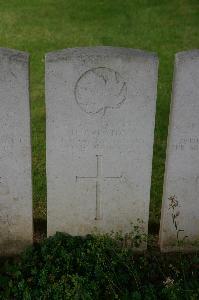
column 69, row 53
column 185, row 55
column 14, row 55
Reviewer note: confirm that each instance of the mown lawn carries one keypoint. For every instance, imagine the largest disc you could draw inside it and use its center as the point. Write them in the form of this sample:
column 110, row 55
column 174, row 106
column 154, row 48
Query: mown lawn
column 39, row 26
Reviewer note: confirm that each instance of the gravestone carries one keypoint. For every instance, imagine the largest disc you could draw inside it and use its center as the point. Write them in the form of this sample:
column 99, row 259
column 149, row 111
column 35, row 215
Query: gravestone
column 100, row 127
column 180, row 211
column 15, row 153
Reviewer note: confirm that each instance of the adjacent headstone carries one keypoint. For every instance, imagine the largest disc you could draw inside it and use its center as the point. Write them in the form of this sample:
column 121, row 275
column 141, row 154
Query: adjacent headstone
column 15, row 153
column 100, row 129
column 180, row 212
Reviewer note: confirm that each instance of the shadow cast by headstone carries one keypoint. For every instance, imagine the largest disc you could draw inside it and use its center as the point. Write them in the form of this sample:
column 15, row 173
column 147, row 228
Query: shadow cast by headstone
column 40, row 230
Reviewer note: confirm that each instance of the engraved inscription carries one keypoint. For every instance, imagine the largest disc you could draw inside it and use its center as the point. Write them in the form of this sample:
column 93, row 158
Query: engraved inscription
column 82, row 138
column 98, row 180
column 99, row 89
column 187, row 143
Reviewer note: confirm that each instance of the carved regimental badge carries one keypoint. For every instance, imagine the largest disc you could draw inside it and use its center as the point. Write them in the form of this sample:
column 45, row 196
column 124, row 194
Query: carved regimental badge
column 99, row 89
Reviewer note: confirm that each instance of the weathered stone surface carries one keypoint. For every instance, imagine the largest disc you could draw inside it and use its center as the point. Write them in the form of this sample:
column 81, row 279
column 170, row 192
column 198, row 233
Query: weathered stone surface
column 180, row 210
column 100, row 127
column 15, row 153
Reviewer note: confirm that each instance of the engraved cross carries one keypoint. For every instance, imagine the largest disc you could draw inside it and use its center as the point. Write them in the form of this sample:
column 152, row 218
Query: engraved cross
column 98, row 180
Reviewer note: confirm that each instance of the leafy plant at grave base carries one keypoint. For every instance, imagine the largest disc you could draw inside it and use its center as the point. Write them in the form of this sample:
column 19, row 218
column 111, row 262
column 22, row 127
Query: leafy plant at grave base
column 174, row 205
column 181, row 239
column 97, row 267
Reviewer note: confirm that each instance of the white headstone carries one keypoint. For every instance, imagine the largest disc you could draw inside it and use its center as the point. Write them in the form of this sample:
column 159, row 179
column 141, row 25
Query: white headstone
column 180, row 210
column 15, row 153
column 100, row 127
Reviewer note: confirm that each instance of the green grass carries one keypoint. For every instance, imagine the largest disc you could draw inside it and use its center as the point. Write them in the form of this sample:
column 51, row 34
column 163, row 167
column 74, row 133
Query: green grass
column 39, row 26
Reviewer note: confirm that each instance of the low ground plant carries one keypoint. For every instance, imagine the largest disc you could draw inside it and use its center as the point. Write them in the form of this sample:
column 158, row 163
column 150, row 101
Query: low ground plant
column 97, row 267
